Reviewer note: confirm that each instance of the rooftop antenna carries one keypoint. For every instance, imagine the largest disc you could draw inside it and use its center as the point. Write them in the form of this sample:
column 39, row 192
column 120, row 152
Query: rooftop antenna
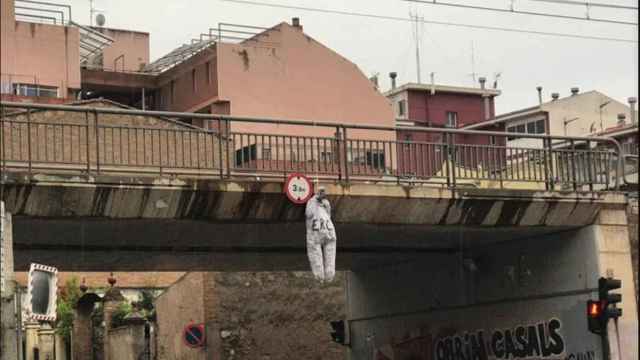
column 473, row 63
column 496, row 76
column 100, row 19
column 417, row 21
column 433, row 83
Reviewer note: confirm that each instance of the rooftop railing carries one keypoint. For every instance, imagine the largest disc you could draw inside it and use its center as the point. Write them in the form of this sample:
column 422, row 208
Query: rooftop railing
column 51, row 139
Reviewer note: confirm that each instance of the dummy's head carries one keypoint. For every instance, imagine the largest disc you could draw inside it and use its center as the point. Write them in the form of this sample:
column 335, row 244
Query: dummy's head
column 321, row 193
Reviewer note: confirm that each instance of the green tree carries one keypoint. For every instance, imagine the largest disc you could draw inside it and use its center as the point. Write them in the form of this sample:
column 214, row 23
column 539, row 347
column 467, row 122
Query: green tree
column 67, row 299
column 120, row 313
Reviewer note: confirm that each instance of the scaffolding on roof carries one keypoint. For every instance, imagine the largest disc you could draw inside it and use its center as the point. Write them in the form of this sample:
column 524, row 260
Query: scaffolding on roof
column 224, row 32
column 92, row 42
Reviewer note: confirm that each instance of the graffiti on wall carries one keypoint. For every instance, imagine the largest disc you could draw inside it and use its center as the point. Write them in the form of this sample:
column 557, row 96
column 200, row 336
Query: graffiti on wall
column 542, row 340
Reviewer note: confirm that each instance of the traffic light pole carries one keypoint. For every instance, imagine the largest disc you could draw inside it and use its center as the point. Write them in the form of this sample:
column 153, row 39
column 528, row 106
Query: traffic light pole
column 606, row 349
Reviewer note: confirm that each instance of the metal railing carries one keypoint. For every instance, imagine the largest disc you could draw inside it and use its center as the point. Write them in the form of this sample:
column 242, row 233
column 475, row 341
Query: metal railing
column 87, row 140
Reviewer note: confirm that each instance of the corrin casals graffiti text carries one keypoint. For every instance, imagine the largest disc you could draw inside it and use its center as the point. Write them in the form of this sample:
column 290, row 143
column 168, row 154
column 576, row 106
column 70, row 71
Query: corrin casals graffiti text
column 540, row 340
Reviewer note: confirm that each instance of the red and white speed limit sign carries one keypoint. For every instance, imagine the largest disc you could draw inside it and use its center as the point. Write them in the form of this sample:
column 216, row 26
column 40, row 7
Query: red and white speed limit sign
column 298, row 188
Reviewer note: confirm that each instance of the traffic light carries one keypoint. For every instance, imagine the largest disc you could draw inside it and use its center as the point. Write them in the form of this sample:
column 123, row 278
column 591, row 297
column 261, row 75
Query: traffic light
column 599, row 312
column 338, row 331
column 609, row 300
column 594, row 316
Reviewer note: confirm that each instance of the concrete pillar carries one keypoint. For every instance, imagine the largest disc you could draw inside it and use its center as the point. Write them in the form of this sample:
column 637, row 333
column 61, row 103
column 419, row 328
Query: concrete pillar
column 614, row 259
column 8, row 335
column 60, row 347
column 46, row 342
column 31, row 333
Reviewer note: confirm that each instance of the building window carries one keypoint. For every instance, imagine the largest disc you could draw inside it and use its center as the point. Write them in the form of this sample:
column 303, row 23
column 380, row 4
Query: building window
column 452, row 119
column 246, row 154
column 492, row 140
column 326, row 156
column 540, row 127
column 521, row 129
column 266, row 152
column 35, row 90
column 511, row 129
column 193, row 81
column 402, row 108
column 207, row 67
column 531, row 127
column 375, row 159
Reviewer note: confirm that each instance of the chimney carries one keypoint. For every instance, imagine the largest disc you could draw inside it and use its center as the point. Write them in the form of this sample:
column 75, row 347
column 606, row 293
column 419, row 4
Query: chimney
column 632, row 105
column 393, row 76
column 374, row 80
column 621, row 118
column 539, row 88
column 555, row 96
column 295, row 22
column 482, row 81
column 575, row 91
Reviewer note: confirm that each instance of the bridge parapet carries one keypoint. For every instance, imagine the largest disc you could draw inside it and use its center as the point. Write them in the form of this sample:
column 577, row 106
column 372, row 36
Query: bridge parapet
column 89, row 141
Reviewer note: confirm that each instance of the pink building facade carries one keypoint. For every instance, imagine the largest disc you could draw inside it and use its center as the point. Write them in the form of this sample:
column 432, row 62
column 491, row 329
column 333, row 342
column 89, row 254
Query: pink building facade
column 440, row 106
column 38, row 60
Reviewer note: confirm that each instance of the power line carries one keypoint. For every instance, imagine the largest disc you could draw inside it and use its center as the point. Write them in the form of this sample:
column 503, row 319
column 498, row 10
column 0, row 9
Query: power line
column 513, row 11
column 588, row 4
column 397, row 18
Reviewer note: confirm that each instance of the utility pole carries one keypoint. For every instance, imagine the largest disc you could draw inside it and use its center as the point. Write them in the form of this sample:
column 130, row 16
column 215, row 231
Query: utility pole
column 8, row 324
column 416, row 34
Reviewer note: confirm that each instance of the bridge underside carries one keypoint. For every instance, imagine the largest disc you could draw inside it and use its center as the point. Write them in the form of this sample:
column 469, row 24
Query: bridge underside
column 179, row 245
column 112, row 223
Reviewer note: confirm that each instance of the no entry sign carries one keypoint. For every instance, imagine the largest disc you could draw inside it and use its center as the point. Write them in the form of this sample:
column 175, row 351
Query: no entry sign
column 193, row 335
column 298, row 188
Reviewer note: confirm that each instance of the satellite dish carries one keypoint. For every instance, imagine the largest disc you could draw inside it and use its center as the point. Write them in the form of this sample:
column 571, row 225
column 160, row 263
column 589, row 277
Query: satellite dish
column 100, row 19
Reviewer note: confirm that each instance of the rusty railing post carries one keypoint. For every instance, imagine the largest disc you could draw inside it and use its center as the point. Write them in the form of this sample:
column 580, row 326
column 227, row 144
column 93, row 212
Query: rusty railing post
column 339, row 153
column 589, row 166
column 95, row 122
column 29, row 140
column 3, row 150
column 219, row 149
column 87, row 143
column 346, row 156
column 573, row 166
column 547, row 182
column 445, row 142
column 228, row 133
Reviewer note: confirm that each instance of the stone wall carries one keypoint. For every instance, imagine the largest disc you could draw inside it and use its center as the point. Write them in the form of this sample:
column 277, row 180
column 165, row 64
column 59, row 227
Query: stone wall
column 126, row 342
column 180, row 305
column 263, row 315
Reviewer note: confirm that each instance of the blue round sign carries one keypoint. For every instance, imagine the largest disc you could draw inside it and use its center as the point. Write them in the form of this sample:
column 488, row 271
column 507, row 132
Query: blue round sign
column 193, row 335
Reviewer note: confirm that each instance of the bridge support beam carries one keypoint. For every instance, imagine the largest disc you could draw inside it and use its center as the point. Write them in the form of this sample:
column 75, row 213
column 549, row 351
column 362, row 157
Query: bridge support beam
column 487, row 298
column 8, row 321
column 614, row 260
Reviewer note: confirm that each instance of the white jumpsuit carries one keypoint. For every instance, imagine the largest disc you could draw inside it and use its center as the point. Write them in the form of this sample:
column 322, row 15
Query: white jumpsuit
column 321, row 237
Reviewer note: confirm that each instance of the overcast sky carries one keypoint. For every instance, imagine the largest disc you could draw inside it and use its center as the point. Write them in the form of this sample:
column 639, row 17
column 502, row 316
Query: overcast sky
column 380, row 46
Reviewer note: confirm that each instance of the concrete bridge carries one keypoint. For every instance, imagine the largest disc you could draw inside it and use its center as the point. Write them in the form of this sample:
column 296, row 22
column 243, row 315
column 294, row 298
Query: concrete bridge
column 150, row 223
column 427, row 265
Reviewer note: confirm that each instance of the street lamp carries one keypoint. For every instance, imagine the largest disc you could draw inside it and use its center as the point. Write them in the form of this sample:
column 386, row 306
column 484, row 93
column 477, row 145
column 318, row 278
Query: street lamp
column 567, row 122
column 602, row 107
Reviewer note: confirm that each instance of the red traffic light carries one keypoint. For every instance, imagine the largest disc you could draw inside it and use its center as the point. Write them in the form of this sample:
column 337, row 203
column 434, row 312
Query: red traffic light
column 594, row 309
